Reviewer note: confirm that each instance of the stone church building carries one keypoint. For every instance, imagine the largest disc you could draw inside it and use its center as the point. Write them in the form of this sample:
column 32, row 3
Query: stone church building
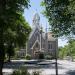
column 39, row 40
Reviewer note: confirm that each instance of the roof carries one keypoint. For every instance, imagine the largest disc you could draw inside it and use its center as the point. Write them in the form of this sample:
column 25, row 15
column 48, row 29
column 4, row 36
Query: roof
column 33, row 31
column 50, row 36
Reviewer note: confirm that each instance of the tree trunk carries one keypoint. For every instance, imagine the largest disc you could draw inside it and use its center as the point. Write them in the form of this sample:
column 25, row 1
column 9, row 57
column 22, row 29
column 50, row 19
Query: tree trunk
column 9, row 58
column 1, row 66
column 2, row 55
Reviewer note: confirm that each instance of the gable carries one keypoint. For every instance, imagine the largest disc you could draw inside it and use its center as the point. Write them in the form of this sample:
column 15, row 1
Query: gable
column 35, row 33
column 36, row 44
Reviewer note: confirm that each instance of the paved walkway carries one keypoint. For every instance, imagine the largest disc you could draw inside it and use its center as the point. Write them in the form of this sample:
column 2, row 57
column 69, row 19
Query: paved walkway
column 64, row 68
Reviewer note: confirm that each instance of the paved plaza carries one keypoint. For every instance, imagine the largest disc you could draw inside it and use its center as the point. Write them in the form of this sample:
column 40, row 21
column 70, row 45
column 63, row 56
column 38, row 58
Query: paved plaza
column 46, row 67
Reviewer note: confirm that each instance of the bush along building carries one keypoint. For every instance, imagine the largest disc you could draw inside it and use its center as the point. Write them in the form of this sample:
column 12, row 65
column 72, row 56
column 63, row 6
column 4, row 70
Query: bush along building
column 39, row 41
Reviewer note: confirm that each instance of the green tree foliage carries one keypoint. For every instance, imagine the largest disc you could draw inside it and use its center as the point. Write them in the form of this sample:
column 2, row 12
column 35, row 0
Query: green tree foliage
column 36, row 73
column 13, row 27
column 24, row 71
column 71, row 44
column 68, row 50
column 10, row 52
column 28, row 57
column 63, row 52
column 61, row 16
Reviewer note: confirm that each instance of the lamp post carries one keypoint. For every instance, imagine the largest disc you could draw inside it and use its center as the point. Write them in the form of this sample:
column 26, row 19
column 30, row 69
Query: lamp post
column 56, row 64
column 56, row 53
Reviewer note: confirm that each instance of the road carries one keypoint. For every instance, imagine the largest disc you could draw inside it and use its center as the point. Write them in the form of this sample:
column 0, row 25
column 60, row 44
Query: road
column 45, row 68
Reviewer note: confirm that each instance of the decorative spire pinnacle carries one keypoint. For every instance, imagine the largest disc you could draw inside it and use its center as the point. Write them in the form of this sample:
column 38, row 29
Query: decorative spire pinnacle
column 36, row 19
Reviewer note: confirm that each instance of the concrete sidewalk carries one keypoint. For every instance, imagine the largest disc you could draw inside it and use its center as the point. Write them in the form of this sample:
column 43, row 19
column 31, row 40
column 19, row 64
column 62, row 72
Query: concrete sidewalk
column 64, row 68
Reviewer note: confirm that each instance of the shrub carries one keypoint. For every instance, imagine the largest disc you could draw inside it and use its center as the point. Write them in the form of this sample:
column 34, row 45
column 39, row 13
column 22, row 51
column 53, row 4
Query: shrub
column 21, row 72
column 47, row 57
column 36, row 73
column 16, row 72
column 28, row 57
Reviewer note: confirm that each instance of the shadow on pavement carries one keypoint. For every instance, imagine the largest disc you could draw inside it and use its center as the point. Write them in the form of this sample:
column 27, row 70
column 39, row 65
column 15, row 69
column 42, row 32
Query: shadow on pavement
column 32, row 65
column 71, row 72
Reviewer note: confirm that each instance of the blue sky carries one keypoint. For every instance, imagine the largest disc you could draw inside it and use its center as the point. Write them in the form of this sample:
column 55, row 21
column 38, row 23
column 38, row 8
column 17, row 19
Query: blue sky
column 35, row 7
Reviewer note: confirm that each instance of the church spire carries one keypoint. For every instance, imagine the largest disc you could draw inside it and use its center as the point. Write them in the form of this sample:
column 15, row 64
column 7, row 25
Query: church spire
column 36, row 20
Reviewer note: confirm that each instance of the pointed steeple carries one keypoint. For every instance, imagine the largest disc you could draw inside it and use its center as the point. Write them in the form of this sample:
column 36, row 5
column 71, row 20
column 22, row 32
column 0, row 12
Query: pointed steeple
column 36, row 20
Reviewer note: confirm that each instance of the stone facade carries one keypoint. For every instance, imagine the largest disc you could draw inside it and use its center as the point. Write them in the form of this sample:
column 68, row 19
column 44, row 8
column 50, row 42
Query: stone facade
column 39, row 41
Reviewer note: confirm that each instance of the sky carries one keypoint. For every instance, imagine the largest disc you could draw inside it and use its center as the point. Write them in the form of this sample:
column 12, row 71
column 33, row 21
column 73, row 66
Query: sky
column 36, row 8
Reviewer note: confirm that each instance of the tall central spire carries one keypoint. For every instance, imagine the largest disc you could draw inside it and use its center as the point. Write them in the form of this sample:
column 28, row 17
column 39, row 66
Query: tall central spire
column 36, row 20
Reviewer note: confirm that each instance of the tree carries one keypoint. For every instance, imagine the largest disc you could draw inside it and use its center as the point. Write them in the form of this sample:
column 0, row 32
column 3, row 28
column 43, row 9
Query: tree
column 61, row 16
column 71, row 47
column 67, row 50
column 63, row 52
column 10, row 51
column 11, row 20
